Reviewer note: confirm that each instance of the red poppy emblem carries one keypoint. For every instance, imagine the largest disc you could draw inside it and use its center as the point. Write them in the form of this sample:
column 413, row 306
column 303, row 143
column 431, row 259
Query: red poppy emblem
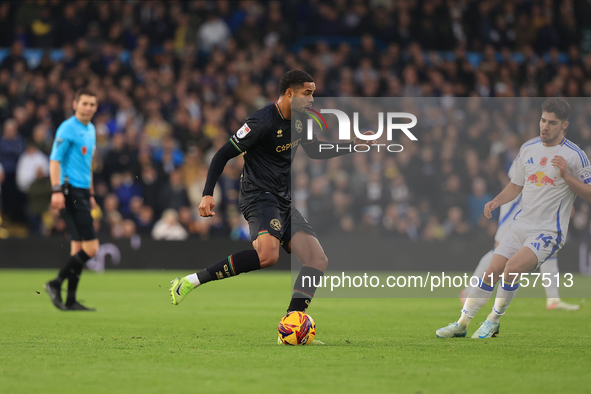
column 544, row 161
column 84, row 150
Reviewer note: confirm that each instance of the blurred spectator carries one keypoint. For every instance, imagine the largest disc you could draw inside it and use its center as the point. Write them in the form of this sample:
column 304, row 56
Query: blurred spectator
column 433, row 230
column 476, row 202
column 38, row 196
column 129, row 228
column 173, row 194
column 11, row 147
column 41, row 139
column 1, row 181
column 145, row 220
column 214, row 32
column 15, row 57
column 156, row 126
column 119, row 158
column 150, row 186
column 28, row 166
column 168, row 155
column 111, row 213
column 454, row 224
column 168, row 228
column 126, row 190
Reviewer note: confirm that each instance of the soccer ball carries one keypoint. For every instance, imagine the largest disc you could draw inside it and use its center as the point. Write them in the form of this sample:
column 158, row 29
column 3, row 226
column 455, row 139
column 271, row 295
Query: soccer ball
column 297, row 328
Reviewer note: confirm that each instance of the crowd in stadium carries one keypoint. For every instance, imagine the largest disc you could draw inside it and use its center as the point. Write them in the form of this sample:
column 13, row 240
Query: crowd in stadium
column 175, row 81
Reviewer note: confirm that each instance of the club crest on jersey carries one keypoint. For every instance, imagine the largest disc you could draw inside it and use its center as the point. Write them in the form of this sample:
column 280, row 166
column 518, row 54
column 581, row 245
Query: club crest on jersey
column 540, row 179
column 276, row 224
column 241, row 133
column 544, row 161
column 84, row 150
column 279, row 133
column 298, row 126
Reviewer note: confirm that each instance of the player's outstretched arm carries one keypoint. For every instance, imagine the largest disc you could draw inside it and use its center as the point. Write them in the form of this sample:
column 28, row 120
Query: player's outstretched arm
column 509, row 193
column 226, row 152
column 314, row 152
column 582, row 189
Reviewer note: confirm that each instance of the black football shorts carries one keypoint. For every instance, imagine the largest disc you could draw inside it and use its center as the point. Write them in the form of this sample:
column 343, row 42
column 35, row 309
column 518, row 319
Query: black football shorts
column 265, row 214
column 77, row 214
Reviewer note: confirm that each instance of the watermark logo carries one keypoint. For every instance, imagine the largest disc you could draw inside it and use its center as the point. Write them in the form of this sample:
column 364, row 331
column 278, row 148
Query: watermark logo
column 386, row 123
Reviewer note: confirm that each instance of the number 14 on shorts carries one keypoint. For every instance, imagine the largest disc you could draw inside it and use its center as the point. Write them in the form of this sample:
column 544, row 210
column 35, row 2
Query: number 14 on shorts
column 544, row 239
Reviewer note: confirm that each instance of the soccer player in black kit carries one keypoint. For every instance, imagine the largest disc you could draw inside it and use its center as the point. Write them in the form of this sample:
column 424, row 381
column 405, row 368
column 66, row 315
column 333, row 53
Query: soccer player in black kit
column 265, row 194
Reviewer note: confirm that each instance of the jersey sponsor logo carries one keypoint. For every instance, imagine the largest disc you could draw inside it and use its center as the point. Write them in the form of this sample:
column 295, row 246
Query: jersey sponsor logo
column 540, row 179
column 59, row 141
column 586, row 177
column 241, row 133
column 544, row 161
column 283, row 148
column 84, row 150
column 275, row 224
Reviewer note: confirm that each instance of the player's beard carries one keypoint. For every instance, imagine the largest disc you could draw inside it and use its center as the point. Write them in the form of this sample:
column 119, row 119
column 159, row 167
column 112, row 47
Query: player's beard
column 300, row 105
column 549, row 138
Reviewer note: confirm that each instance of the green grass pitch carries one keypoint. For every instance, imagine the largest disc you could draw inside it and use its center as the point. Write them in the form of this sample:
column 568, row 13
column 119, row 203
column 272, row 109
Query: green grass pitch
column 222, row 339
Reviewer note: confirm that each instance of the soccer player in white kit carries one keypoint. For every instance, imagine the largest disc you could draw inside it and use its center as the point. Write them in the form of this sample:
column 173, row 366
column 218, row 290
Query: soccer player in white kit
column 550, row 267
column 549, row 173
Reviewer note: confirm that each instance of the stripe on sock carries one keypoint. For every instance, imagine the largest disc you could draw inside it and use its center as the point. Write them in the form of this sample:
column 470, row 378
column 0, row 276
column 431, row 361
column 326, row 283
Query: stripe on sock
column 484, row 285
column 232, row 268
column 306, row 295
column 506, row 285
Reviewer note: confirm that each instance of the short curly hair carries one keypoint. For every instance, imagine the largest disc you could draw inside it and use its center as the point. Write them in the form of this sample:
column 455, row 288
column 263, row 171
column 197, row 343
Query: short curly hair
column 293, row 79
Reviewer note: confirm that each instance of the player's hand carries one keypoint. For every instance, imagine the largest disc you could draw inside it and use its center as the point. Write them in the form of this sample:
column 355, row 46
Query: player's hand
column 58, row 201
column 370, row 142
column 489, row 207
column 206, row 206
column 560, row 163
column 92, row 203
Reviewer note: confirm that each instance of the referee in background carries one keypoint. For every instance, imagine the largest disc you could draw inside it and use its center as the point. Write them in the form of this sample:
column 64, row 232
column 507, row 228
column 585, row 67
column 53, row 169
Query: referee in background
column 73, row 194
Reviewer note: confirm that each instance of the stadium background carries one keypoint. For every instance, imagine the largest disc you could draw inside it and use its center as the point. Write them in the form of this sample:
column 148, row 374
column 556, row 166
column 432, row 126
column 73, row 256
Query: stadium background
column 176, row 78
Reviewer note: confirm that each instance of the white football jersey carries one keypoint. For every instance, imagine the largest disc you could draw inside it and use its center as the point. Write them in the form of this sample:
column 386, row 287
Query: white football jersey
column 507, row 211
column 546, row 198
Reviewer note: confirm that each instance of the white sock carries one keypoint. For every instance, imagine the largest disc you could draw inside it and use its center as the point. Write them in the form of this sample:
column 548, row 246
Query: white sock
column 505, row 295
column 481, row 267
column 193, row 279
column 550, row 269
column 477, row 298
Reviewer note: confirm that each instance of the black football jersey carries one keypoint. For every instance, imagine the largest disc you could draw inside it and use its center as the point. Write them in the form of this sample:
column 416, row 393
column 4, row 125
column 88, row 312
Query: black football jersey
column 268, row 148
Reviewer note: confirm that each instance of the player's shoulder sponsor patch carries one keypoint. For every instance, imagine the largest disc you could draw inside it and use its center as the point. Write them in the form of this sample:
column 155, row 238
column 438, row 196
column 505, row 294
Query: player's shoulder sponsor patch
column 241, row 133
column 586, row 177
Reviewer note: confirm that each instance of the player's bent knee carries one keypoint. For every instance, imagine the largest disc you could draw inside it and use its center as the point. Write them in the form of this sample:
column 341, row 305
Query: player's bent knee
column 91, row 248
column 268, row 259
column 319, row 262
column 511, row 270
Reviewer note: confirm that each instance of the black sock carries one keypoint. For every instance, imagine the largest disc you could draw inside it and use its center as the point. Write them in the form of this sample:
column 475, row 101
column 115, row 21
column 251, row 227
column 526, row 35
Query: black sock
column 73, row 285
column 71, row 266
column 72, row 271
column 303, row 290
column 235, row 264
